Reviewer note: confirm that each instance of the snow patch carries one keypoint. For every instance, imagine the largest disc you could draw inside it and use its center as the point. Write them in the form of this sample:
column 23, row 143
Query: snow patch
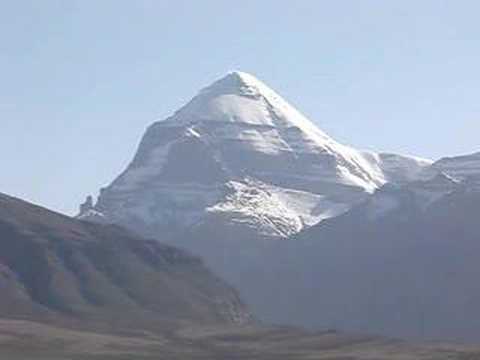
column 274, row 210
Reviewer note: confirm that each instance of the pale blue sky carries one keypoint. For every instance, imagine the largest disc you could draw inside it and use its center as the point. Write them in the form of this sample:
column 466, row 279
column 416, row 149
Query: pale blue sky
column 81, row 80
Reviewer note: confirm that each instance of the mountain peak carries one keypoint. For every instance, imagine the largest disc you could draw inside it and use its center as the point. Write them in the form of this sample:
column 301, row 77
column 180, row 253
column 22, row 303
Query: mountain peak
column 237, row 83
column 241, row 98
column 233, row 130
column 242, row 76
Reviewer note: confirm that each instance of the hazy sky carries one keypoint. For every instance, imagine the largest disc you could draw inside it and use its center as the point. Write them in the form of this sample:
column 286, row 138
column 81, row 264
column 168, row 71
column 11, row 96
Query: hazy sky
column 81, row 80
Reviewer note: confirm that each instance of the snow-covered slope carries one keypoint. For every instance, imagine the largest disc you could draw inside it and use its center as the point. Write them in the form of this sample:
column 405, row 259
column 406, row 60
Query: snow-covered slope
column 418, row 194
column 463, row 168
column 400, row 168
column 239, row 151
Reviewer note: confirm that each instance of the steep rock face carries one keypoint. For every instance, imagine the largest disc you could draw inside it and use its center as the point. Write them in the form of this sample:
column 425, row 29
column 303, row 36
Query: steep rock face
column 57, row 269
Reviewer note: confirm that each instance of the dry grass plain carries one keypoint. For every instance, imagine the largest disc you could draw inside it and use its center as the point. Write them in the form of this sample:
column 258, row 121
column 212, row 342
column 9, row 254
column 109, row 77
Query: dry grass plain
column 23, row 340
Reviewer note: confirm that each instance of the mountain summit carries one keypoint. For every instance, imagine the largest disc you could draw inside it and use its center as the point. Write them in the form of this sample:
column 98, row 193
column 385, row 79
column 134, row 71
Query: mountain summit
column 240, row 152
column 240, row 97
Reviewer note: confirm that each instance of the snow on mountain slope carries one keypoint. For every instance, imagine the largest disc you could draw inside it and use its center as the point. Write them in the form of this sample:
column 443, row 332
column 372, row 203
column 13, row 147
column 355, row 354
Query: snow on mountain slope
column 466, row 167
column 239, row 151
column 418, row 194
column 274, row 210
column 426, row 181
column 400, row 168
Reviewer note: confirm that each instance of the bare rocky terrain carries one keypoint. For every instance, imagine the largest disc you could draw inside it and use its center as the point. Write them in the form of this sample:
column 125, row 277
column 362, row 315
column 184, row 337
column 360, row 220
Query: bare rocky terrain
column 66, row 272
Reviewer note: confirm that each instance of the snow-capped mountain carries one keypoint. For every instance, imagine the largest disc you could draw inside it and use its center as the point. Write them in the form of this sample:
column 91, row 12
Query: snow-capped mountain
column 233, row 171
column 239, row 152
